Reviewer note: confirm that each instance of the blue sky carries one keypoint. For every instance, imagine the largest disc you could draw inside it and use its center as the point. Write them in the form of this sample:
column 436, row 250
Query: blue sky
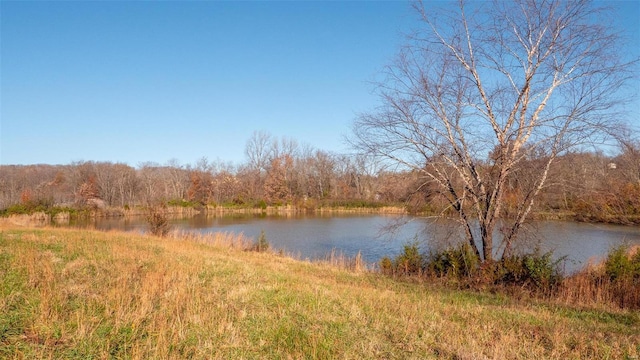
column 151, row 81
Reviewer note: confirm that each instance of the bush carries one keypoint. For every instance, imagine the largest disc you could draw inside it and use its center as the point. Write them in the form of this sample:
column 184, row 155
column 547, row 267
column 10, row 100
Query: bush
column 53, row 211
column 353, row 204
column 535, row 270
column 386, row 266
column 635, row 261
column 458, row 262
column 158, row 220
column 36, row 206
column 307, row 204
column 261, row 244
column 622, row 269
column 29, row 207
column 182, row 203
column 461, row 265
column 16, row 209
column 621, row 264
column 616, row 282
column 409, row 262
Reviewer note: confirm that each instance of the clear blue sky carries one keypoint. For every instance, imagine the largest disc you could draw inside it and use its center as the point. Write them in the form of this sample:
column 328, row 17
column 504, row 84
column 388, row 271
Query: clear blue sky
column 151, row 81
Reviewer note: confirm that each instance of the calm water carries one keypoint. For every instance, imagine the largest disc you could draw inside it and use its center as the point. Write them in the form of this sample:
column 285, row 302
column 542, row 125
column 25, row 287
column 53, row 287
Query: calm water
column 314, row 237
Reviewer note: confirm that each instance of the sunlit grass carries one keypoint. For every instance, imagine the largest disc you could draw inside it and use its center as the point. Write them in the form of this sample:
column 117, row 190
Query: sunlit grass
column 85, row 294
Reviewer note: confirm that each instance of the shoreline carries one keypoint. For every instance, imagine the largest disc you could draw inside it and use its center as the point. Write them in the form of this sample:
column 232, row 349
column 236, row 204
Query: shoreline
column 64, row 216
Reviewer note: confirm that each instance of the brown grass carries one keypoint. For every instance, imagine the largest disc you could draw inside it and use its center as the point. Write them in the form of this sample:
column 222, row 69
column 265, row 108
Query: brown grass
column 87, row 294
column 593, row 287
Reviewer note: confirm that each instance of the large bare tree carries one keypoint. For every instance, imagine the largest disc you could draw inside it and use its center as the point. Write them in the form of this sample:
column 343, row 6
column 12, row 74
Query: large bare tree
column 488, row 93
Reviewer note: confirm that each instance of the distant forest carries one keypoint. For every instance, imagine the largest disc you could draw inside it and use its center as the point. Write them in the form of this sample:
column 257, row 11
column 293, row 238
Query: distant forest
column 587, row 186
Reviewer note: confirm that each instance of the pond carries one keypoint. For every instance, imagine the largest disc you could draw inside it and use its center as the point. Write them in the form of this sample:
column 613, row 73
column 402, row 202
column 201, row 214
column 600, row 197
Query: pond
column 316, row 236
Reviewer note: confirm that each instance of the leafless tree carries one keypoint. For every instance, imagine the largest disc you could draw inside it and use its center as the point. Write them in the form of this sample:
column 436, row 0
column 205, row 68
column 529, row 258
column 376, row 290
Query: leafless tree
column 106, row 178
column 629, row 158
column 322, row 170
column 150, row 183
column 82, row 179
column 178, row 179
column 483, row 88
column 284, row 147
column 258, row 150
column 126, row 183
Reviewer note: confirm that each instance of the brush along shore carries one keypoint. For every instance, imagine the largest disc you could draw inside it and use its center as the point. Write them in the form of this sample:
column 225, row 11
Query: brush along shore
column 68, row 293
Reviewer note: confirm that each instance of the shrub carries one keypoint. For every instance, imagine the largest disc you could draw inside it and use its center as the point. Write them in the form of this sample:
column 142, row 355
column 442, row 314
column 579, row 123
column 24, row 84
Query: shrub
column 261, row 244
column 542, row 270
column 44, row 206
column 16, row 209
column 158, row 220
column 307, row 204
column 386, row 266
column 460, row 261
column 182, row 203
column 535, row 270
column 622, row 269
column 409, row 262
column 262, row 205
column 53, row 211
column 29, row 207
column 616, row 282
column 353, row 204
column 635, row 262
column 620, row 264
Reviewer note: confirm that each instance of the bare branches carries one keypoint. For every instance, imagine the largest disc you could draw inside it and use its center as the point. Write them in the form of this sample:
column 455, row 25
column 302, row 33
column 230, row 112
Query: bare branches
column 481, row 89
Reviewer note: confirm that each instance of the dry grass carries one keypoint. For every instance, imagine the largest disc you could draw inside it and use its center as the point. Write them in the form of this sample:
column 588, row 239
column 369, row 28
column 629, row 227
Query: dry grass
column 86, row 294
column 594, row 287
column 590, row 288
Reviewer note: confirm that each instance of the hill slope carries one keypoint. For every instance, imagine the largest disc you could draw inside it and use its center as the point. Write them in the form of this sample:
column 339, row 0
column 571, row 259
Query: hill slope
column 86, row 294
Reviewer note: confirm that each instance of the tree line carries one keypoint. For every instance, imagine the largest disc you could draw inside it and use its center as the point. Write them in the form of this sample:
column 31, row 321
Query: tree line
column 592, row 185
column 276, row 172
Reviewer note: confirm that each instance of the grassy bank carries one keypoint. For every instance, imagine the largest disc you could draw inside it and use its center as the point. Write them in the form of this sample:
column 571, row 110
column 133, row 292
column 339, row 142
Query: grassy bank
column 86, row 294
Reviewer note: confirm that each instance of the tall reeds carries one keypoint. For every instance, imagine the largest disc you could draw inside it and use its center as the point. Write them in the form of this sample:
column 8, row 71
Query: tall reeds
column 614, row 282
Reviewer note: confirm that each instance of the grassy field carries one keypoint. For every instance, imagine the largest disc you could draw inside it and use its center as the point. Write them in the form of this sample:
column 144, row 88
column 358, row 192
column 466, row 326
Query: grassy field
column 92, row 295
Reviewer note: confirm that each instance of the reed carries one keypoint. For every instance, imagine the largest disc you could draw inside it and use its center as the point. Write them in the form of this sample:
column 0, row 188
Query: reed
column 613, row 283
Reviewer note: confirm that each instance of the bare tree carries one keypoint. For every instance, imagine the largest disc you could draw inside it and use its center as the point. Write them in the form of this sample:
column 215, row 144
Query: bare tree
column 284, row 147
column 150, row 181
column 258, row 150
column 106, row 178
column 126, row 183
column 178, row 179
column 630, row 158
column 484, row 88
column 82, row 179
column 322, row 170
